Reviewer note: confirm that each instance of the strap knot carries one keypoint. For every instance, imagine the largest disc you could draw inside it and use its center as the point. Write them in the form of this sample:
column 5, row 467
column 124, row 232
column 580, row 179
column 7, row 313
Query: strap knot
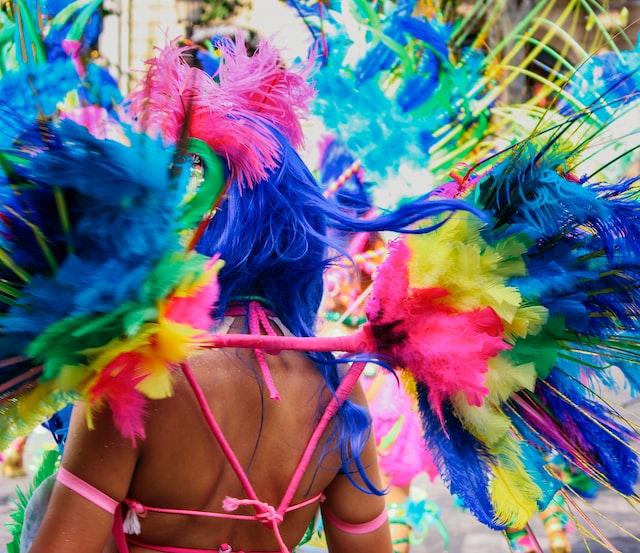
column 137, row 507
column 131, row 522
column 267, row 514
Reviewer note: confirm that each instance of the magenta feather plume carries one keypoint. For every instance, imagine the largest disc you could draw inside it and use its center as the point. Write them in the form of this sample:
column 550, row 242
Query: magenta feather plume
column 442, row 348
column 172, row 95
column 234, row 112
column 193, row 306
column 116, row 384
column 280, row 95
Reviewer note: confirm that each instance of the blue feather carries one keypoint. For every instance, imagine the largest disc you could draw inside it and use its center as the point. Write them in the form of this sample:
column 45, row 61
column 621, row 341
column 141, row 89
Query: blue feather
column 380, row 57
column 591, row 426
column 537, row 466
column 48, row 85
column 123, row 205
column 462, row 460
column 605, row 81
column 58, row 425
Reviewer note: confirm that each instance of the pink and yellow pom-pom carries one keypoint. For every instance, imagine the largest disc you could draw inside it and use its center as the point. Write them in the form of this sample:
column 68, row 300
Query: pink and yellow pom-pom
column 128, row 371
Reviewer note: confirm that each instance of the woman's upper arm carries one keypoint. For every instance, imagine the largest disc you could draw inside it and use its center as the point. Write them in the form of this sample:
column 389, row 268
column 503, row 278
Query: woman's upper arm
column 354, row 506
column 103, row 459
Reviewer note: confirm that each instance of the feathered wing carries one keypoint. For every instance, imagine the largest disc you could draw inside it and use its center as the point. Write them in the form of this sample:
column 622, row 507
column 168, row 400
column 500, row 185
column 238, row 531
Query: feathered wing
column 479, row 312
column 94, row 291
column 553, row 277
column 101, row 293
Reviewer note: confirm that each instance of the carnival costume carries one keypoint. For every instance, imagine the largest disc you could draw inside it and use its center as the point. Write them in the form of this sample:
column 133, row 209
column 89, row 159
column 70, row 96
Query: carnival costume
column 67, row 333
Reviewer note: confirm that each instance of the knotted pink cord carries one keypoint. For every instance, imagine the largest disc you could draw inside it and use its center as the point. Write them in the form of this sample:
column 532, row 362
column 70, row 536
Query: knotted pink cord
column 267, row 514
column 228, row 452
column 258, row 319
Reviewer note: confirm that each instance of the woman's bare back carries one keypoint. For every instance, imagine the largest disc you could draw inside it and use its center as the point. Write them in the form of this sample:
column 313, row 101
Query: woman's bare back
column 181, row 465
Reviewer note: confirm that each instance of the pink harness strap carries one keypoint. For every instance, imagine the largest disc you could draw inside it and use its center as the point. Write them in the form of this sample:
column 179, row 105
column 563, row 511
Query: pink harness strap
column 360, row 528
column 266, row 513
column 229, row 504
column 257, row 320
column 89, row 492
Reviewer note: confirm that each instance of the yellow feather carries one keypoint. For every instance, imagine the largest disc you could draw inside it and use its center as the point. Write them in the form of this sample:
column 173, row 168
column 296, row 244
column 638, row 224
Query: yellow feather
column 19, row 419
column 158, row 382
column 513, row 493
column 409, row 383
column 504, row 378
column 528, row 321
column 174, row 342
column 193, row 282
column 74, row 377
column 486, row 422
column 456, row 258
column 103, row 355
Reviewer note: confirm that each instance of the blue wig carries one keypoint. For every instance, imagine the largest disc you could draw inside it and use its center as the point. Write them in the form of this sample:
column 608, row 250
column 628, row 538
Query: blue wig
column 274, row 240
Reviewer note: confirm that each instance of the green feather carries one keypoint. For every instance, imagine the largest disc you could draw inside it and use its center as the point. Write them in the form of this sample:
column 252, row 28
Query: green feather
column 48, row 466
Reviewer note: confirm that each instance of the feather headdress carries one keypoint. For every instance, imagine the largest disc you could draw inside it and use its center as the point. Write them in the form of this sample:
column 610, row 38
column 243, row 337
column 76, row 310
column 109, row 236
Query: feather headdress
column 233, row 111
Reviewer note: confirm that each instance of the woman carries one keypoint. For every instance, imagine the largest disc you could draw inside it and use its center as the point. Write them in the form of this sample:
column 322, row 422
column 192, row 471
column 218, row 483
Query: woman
column 273, row 240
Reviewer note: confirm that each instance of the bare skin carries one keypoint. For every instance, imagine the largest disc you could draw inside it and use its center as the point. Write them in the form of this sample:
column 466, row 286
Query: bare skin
column 181, row 466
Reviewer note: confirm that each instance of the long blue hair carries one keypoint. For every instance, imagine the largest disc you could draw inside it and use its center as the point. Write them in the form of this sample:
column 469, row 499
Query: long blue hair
column 274, row 241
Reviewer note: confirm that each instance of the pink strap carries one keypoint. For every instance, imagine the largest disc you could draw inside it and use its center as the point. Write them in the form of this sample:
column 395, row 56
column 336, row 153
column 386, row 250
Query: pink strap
column 229, row 504
column 362, row 528
column 87, row 491
column 361, row 341
column 118, row 532
column 342, row 393
column 268, row 512
column 258, row 319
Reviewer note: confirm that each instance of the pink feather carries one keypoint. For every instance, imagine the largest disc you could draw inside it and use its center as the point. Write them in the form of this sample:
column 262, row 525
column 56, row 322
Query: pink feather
column 172, row 94
column 116, row 384
column 444, row 349
column 279, row 95
column 195, row 309
column 235, row 114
